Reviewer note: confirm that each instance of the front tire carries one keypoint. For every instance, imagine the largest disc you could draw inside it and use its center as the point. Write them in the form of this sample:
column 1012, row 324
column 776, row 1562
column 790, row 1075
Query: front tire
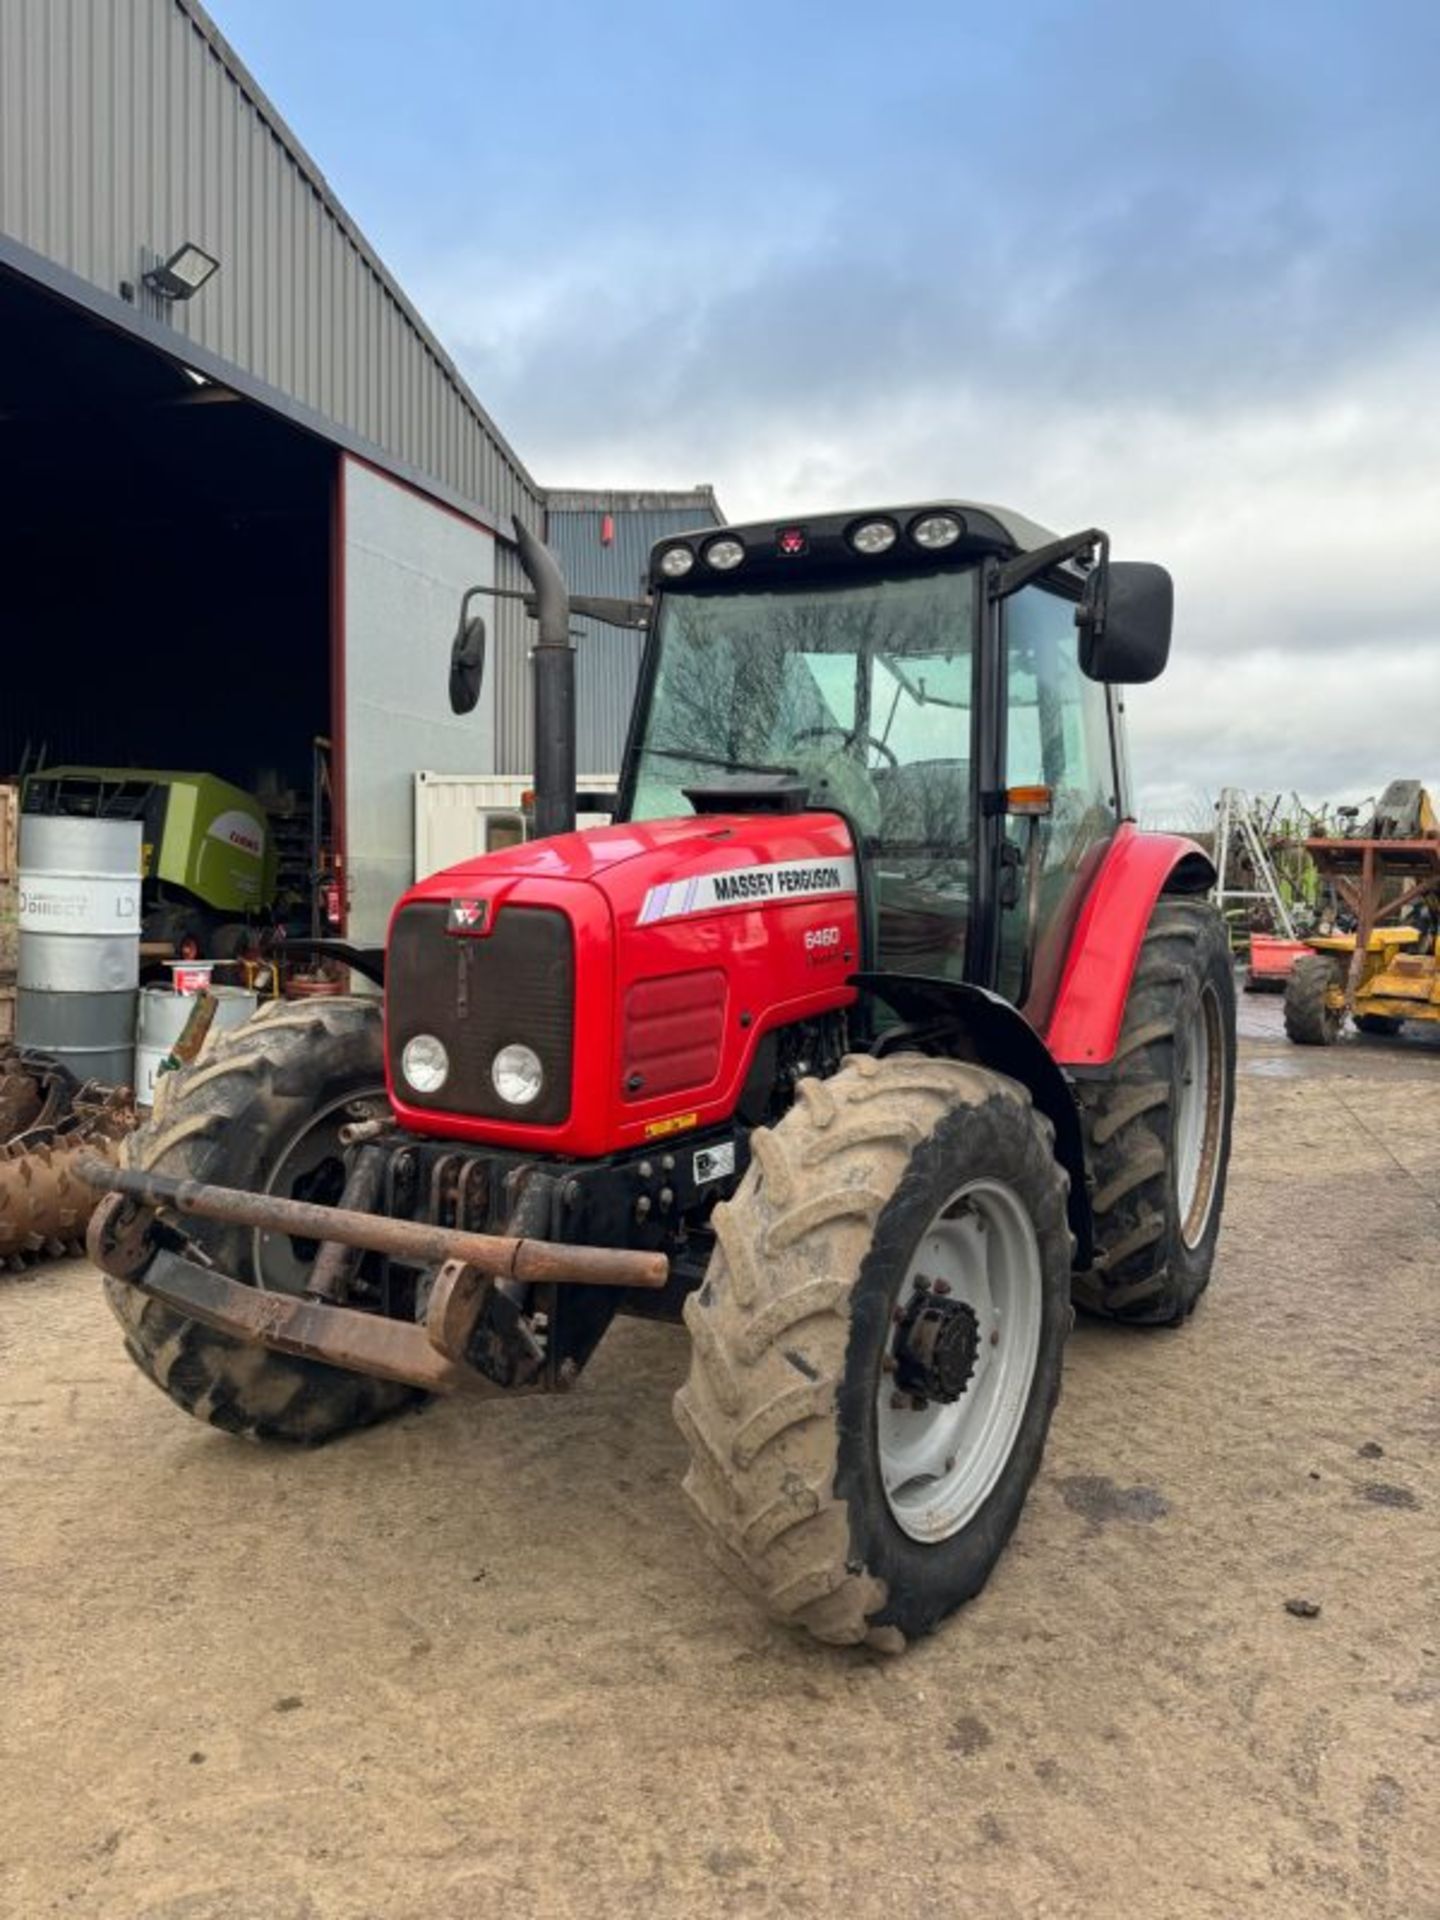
column 815, row 1493
column 1157, row 1125
column 1310, row 1021
column 259, row 1111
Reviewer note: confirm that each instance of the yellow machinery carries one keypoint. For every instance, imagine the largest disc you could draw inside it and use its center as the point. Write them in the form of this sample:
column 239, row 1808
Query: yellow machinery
column 1388, row 970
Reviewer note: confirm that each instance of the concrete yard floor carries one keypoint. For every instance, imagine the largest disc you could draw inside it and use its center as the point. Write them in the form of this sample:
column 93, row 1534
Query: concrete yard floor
column 477, row 1662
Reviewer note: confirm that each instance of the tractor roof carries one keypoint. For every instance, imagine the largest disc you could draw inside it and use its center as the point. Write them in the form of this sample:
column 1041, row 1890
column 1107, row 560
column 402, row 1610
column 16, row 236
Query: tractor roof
column 997, row 526
column 822, row 536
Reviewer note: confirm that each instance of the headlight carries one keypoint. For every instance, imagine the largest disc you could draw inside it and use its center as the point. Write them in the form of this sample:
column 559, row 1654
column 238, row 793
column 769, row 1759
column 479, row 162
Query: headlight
column 934, row 530
column 517, row 1075
column 676, row 562
column 724, row 554
column 874, row 536
column 425, row 1063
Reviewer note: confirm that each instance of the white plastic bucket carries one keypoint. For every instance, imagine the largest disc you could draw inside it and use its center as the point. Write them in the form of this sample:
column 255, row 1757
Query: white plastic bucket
column 190, row 976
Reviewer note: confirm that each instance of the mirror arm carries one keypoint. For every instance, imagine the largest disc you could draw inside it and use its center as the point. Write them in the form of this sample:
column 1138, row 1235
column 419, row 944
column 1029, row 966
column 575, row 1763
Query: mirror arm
column 609, row 612
column 1026, row 567
column 465, row 599
column 588, row 606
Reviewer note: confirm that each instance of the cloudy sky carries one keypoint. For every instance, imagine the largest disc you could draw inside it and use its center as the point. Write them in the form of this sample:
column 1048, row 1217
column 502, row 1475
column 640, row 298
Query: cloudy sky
column 1171, row 268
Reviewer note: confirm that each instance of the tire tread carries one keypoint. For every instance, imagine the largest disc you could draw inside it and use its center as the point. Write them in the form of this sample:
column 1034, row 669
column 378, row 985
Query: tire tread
column 763, row 1442
column 235, row 1385
column 1126, row 1116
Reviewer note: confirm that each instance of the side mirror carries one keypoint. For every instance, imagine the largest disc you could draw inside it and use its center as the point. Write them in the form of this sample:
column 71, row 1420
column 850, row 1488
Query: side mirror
column 467, row 657
column 1125, row 615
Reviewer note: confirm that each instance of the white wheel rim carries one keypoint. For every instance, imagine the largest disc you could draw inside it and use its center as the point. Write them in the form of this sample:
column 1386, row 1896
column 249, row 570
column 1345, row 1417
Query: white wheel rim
column 1198, row 1117
column 939, row 1463
column 276, row 1266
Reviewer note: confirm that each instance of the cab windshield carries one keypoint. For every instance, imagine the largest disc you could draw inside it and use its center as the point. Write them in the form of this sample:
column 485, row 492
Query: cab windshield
column 861, row 690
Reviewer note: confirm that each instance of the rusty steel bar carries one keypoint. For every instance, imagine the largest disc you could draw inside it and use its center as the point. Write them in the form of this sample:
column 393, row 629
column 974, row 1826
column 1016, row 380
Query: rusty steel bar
column 413, row 1240
column 338, row 1336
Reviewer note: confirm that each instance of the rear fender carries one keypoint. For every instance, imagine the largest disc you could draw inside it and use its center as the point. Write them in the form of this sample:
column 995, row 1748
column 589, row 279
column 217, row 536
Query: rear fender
column 984, row 1028
column 1084, row 1025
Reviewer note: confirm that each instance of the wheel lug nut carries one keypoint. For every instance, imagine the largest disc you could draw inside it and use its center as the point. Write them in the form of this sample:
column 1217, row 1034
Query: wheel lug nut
column 922, row 1284
column 994, row 1336
column 941, row 1286
column 899, row 1402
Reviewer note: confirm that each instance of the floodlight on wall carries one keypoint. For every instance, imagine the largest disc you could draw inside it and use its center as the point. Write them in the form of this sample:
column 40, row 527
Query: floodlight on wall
column 183, row 274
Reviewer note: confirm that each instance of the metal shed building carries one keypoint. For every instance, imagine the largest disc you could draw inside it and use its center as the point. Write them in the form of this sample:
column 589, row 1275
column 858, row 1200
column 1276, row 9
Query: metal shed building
column 603, row 541
column 233, row 520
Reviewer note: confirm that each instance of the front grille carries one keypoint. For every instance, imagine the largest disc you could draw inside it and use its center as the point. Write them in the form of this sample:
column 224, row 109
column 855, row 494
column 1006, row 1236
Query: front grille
column 478, row 996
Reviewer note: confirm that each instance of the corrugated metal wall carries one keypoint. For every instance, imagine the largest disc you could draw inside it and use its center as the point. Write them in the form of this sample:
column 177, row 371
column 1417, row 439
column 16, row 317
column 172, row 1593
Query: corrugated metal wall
column 608, row 660
column 129, row 126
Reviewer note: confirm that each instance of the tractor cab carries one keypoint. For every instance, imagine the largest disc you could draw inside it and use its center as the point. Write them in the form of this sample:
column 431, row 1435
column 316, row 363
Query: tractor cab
column 919, row 672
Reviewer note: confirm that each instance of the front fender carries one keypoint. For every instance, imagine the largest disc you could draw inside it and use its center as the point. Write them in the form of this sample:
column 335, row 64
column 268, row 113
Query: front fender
column 991, row 1031
column 1084, row 1025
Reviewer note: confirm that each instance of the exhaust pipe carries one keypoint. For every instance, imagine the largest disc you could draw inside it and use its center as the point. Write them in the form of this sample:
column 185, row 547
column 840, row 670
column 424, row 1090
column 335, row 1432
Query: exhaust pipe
column 554, row 687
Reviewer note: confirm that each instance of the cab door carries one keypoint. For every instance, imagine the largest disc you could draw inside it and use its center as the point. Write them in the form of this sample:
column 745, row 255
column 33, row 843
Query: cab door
column 1057, row 737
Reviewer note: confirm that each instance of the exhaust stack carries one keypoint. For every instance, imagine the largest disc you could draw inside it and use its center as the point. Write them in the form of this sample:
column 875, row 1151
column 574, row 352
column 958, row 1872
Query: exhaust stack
column 554, row 687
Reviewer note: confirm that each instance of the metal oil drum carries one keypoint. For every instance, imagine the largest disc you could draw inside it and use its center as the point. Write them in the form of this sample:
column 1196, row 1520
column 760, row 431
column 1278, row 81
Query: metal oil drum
column 79, row 957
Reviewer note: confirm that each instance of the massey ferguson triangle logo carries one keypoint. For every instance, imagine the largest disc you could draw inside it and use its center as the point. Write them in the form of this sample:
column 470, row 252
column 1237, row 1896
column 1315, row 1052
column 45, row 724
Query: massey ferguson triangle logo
column 466, row 916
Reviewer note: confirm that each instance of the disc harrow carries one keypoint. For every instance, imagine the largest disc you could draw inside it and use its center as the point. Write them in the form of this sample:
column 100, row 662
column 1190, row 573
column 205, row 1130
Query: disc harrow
column 48, row 1119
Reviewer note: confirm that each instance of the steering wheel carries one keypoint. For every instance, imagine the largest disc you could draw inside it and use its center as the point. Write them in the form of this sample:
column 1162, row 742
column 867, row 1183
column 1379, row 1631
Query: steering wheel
column 849, row 737
column 841, row 780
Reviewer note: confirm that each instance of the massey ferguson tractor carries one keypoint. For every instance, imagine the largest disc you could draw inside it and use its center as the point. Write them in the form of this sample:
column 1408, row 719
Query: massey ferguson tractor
column 868, row 1037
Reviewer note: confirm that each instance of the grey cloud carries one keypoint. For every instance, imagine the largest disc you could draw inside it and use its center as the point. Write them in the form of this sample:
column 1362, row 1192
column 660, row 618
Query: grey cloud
column 1339, row 732
column 1192, row 297
column 1179, row 215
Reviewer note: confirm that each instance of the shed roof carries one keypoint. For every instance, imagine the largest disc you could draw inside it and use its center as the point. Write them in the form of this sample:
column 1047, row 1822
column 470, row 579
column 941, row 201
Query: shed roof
column 310, row 169
column 132, row 129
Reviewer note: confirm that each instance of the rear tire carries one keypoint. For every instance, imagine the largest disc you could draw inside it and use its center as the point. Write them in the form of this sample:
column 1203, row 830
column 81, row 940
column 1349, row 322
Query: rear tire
column 253, row 1113
column 1157, row 1126
column 1309, row 1022
column 785, row 1409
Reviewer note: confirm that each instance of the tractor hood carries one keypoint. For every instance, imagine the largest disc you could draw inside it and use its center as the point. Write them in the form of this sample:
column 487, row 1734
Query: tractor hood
column 639, row 966
column 655, row 870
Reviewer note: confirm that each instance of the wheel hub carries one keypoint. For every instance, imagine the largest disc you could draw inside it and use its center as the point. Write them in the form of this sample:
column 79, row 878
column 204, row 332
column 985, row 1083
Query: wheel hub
column 937, row 1344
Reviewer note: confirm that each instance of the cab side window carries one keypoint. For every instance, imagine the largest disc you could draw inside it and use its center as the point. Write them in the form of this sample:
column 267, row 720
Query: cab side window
column 1057, row 736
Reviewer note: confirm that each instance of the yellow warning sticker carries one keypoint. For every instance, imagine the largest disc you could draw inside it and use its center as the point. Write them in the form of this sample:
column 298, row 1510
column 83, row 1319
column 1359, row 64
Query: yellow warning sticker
column 672, row 1123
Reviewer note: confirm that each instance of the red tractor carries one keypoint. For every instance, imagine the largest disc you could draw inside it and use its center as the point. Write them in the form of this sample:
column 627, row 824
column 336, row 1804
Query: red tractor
column 869, row 1036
